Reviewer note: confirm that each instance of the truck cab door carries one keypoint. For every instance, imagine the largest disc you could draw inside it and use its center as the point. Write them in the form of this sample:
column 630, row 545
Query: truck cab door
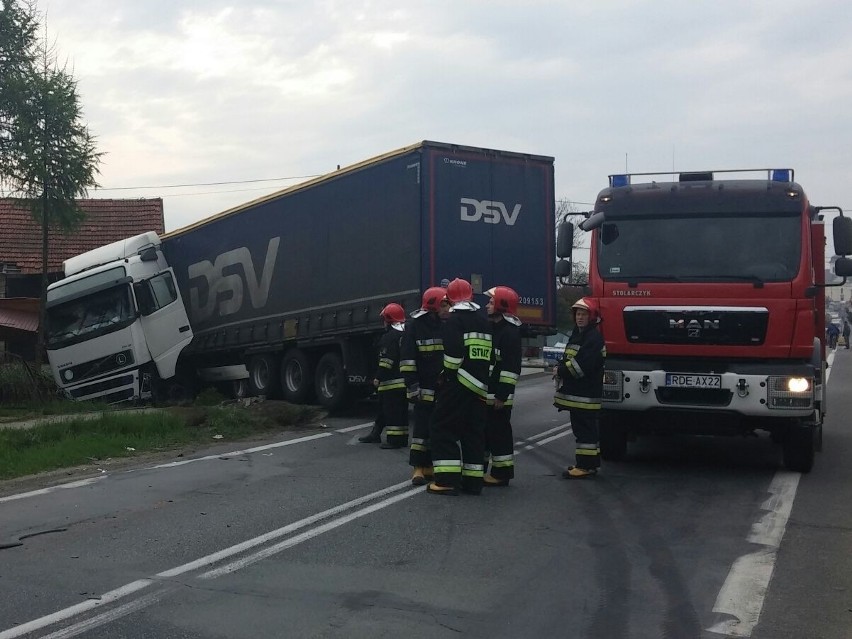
column 164, row 320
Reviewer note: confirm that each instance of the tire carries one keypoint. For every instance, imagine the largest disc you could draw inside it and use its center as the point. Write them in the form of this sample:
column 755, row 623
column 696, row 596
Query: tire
column 330, row 382
column 235, row 389
column 263, row 375
column 297, row 379
column 799, row 448
column 613, row 439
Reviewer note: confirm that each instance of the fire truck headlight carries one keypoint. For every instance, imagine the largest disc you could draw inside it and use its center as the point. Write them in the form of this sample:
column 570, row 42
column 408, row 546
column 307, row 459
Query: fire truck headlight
column 798, row 385
column 794, row 393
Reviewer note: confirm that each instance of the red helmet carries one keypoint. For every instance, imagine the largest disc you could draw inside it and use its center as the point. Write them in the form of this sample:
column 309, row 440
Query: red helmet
column 505, row 299
column 393, row 313
column 589, row 305
column 459, row 290
column 432, row 298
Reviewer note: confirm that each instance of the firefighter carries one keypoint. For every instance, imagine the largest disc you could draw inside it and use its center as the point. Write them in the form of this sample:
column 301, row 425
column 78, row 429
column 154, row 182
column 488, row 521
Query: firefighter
column 459, row 416
column 422, row 356
column 502, row 311
column 389, row 382
column 581, row 384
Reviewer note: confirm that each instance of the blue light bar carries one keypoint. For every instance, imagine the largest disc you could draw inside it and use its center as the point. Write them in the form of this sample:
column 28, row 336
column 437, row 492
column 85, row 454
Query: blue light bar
column 619, row 180
column 780, row 175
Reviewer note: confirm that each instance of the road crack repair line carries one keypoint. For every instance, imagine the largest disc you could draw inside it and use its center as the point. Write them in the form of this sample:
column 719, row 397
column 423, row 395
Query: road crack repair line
column 386, row 497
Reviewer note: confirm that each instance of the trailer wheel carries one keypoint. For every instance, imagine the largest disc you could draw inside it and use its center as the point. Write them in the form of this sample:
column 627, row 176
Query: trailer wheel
column 330, row 381
column 235, row 389
column 613, row 438
column 297, row 380
column 799, row 447
column 263, row 376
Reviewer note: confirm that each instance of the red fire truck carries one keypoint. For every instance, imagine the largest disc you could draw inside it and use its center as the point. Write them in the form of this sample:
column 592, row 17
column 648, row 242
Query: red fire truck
column 712, row 293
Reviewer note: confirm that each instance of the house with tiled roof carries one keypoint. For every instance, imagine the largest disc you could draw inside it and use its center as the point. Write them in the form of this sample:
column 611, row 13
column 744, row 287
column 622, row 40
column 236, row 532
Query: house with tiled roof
column 20, row 255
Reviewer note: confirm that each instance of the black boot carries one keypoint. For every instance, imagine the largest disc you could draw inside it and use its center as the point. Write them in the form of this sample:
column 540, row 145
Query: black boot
column 373, row 437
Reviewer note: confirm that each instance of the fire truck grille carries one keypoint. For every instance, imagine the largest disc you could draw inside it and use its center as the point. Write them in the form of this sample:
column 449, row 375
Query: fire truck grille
column 709, row 326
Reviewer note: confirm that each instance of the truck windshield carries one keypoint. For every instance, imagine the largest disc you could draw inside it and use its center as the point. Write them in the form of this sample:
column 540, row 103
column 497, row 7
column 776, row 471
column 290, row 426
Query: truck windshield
column 87, row 317
column 760, row 248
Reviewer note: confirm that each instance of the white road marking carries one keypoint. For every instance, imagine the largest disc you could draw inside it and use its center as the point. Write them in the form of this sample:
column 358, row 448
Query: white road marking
column 148, row 599
column 208, row 560
column 744, row 591
column 45, row 491
column 183, row 462
column 72, row 611
column 309, row 534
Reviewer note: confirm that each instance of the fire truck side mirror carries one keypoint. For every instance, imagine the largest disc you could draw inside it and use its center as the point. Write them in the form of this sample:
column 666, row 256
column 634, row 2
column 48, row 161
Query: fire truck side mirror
column 843, row 267
column 563, row 268
column 842, row 231
column 565, row 240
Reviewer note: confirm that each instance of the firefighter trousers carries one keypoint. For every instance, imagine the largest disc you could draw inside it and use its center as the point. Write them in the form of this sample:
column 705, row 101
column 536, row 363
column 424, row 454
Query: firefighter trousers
column 584, row 423
column 394, row 407
column 500, row 442
column 457, row 438
column 420, row 453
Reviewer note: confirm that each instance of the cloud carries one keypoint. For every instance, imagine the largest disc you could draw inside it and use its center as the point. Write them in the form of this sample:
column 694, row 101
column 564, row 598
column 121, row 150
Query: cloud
column 213, row 91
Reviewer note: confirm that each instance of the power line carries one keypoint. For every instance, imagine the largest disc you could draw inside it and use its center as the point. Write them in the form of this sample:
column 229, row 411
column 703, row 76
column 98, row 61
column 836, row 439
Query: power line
column 178, row 186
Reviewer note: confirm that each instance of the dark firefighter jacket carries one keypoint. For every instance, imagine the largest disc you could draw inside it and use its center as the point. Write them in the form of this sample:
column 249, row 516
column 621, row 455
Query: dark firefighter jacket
column 422, row 355
column 467, row 348
column 388, row 371
column 506, row 357
column 581, row 371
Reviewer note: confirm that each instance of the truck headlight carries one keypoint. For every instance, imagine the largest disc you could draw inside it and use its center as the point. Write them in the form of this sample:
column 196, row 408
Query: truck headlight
column 798, row 384
column 613, row 386
column 785, row 392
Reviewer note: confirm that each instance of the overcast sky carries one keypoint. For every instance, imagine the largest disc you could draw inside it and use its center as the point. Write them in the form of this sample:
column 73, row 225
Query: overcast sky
column 188, row 92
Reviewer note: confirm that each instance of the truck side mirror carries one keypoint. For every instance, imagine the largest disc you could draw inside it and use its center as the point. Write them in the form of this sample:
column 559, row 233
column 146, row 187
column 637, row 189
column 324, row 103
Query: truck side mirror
column 842, row 230
column 563, row 268
column 843, row 265
column 148, row 254
column 564, row 240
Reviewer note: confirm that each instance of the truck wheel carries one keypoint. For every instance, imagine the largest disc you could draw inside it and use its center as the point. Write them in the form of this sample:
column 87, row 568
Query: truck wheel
column 330, row 381
column 297, row 378
column 262, row 378
column 799, row 447
column 235, row 389
column 613, row 439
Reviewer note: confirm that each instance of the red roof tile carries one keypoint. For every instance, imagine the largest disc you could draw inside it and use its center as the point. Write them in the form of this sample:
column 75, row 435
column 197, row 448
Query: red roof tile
column 18, row 314
column 106, row 221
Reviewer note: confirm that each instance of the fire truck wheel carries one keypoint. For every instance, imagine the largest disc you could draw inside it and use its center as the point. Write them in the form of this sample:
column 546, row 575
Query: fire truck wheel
column 613, row 439
column 798, row 448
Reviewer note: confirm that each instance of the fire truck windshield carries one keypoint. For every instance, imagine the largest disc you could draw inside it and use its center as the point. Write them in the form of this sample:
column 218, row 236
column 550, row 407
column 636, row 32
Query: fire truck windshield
column 761, row 248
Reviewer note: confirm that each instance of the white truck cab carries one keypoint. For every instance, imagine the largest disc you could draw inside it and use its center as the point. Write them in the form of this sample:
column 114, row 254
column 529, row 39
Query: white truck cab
column 116, row 322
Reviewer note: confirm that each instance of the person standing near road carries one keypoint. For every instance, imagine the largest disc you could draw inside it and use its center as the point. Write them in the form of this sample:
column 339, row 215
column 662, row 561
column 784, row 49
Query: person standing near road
column 832, row 332
column 581, row 385
column 422, row 353
column 502, row 311
column 389, row 382
column 459, row 417
column 846, row 331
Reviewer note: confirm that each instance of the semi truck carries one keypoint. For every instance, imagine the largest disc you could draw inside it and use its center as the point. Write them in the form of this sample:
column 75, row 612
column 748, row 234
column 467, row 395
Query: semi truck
column 711, row 287
column 281, row 296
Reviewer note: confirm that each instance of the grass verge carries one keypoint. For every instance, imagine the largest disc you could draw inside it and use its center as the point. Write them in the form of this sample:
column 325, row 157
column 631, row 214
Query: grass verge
column 82, row 440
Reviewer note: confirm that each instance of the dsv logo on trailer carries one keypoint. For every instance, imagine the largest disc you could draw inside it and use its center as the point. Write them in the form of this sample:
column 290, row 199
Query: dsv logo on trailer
column 227, row 290
column 488, row 211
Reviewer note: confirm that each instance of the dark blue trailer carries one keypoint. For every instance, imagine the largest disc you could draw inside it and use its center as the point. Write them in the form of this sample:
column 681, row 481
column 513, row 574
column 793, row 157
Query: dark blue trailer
column 292, row 284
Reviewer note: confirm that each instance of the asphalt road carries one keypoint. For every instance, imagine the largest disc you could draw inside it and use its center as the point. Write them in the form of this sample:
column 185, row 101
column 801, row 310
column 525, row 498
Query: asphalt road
column 314, row 535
